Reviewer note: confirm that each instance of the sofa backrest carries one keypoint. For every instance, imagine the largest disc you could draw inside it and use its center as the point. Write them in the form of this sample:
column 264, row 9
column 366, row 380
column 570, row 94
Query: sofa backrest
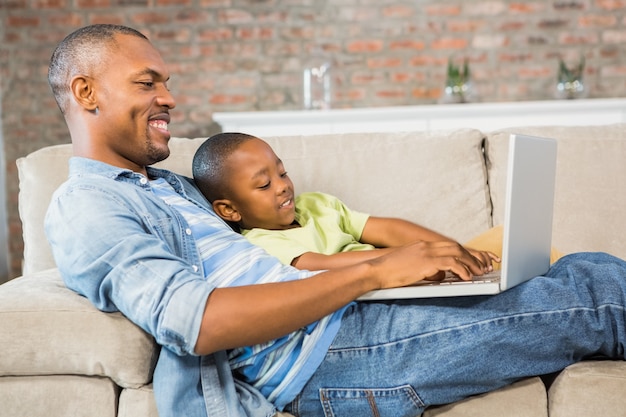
column 437, row 179
column 590, row 196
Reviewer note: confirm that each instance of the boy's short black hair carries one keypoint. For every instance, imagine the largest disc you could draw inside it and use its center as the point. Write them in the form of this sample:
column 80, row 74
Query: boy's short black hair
column 209, row 162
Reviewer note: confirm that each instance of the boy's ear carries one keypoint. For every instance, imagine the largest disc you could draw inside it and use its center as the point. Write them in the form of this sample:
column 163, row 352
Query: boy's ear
column 226, row 211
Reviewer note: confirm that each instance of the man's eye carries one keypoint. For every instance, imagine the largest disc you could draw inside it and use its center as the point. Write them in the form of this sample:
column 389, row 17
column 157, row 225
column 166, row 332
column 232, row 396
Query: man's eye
column 149, row 84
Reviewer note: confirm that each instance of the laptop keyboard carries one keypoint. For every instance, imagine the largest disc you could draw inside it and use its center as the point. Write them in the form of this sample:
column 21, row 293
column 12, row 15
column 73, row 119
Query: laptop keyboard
column 452, row 279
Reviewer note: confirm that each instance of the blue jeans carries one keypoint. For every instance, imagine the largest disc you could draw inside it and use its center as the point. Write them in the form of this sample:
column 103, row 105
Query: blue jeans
column 397, row 358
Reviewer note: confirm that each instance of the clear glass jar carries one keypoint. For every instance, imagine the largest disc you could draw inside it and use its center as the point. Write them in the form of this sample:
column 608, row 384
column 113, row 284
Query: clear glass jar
column 317, row 82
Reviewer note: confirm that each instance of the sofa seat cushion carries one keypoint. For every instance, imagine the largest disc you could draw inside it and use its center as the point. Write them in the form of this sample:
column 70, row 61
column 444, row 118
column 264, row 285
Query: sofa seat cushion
column 57, row 396
column 524, row 398
column 47, row 329
column 137, row 402
column 589, row 388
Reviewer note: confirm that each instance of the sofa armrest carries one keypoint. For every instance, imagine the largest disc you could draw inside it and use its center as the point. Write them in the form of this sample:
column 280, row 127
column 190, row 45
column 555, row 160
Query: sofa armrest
column 47, row 329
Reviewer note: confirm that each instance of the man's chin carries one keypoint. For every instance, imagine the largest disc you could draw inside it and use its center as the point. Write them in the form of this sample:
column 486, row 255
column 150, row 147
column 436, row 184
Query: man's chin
column 156, row 155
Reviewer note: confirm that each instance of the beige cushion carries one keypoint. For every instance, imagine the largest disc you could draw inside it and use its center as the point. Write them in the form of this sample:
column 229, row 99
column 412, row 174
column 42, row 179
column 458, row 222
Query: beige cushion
column 46, row 329
column 137, row 402
column 40, row 173
column 591, row 388
column 43, row 171
column 589, row 210
column 525, row 398
column 437, row 179
column 57, row 396
column 386, row 174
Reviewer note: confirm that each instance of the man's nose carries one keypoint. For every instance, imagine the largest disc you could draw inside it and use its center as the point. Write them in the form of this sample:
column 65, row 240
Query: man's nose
column 166, row 98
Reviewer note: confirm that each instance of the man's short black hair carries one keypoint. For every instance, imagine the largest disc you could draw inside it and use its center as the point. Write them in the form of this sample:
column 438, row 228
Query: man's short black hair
column 82, row 52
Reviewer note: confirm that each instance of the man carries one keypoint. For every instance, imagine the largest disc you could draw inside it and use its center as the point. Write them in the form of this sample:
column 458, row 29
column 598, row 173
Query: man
column 244, row 335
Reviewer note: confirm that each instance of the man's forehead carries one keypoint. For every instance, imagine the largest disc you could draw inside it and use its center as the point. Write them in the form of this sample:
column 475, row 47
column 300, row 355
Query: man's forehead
column 141, row 54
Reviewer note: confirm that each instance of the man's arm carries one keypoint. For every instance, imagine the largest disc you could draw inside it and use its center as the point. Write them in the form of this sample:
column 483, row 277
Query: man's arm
column 247, row 315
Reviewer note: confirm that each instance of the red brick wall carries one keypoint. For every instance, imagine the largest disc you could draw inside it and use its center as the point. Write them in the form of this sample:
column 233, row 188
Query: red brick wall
column 231, row 55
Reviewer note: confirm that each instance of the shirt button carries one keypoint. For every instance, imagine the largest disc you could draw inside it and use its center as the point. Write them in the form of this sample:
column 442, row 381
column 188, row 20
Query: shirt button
column 188, row 231
column 195, row 268
column 143, row 181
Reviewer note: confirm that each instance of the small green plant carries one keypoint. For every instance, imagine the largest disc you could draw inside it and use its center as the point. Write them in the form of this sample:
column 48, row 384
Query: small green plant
column 458, row 81
column 568, row 74
column 570, row 80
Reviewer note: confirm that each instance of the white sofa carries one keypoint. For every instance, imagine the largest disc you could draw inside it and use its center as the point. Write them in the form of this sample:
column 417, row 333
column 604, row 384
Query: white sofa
column 62, row 357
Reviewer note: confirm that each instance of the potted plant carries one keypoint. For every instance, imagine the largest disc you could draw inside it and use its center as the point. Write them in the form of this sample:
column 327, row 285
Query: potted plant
column 570, row 80
column 458, row 87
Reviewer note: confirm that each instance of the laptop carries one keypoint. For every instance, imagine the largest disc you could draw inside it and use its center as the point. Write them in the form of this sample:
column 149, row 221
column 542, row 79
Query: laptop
column 527, row 227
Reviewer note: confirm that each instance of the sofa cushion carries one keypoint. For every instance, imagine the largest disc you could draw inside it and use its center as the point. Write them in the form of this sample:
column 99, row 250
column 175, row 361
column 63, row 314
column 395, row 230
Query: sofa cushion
column 137, row 402
column 589, row 207
column 43, row 171
column 590, row 388
column 46, row 329
column 524, row 398
column 57, row 396
column 437, row 179
column 40, row 173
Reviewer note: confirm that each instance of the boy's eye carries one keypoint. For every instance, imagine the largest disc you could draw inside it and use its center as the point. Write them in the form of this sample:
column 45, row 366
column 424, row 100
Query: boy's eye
column 265, row 186
column 283, row 175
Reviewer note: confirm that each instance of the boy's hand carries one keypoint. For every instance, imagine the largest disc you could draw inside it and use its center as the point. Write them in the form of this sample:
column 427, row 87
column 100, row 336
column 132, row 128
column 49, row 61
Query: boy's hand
column 485, row 258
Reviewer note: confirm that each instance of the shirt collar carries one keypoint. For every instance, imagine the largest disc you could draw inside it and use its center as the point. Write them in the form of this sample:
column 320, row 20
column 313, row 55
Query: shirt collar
column 80, row 166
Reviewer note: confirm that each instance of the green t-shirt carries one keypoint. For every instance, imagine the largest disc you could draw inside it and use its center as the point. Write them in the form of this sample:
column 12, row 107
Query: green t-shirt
column 327, row 227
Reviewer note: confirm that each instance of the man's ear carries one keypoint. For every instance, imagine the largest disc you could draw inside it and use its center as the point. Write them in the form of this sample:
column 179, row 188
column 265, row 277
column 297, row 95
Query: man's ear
column 83, row 92
column 226, row 211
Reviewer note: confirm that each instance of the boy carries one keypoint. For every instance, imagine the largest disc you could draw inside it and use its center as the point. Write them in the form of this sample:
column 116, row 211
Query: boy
column 248, row 186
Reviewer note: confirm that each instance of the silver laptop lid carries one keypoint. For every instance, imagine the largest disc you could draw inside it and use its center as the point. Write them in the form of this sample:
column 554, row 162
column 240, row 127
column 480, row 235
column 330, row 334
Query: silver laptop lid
column 528, row 209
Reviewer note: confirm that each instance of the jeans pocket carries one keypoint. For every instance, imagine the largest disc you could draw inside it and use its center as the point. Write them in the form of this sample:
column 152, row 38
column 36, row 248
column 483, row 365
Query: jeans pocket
column 400, row 401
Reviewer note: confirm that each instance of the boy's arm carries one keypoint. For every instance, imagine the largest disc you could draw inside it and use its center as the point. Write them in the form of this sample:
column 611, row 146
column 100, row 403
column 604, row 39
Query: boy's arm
column 386, row 232
column 382, row 232
column 317, row 261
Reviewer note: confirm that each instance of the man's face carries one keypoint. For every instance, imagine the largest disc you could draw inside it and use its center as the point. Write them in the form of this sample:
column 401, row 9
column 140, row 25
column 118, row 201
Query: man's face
column 261, row 191
column 133, row 105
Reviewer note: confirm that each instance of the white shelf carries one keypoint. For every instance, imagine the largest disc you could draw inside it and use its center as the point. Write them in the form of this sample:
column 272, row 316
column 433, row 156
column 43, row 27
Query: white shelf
column 483, row 116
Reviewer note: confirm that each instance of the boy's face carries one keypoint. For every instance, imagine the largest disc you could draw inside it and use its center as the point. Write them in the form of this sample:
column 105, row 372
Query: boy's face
column 260, row 191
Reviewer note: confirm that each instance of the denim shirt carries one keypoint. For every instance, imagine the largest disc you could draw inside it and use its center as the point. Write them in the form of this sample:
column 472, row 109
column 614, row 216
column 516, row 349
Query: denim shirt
column 103, row 224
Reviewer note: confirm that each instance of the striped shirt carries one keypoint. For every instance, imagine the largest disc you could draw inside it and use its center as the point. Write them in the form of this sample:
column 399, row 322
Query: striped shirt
column 278, row 368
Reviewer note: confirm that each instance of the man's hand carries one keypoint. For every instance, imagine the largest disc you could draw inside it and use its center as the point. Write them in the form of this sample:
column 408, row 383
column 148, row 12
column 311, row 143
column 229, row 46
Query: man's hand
column 429, row 260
